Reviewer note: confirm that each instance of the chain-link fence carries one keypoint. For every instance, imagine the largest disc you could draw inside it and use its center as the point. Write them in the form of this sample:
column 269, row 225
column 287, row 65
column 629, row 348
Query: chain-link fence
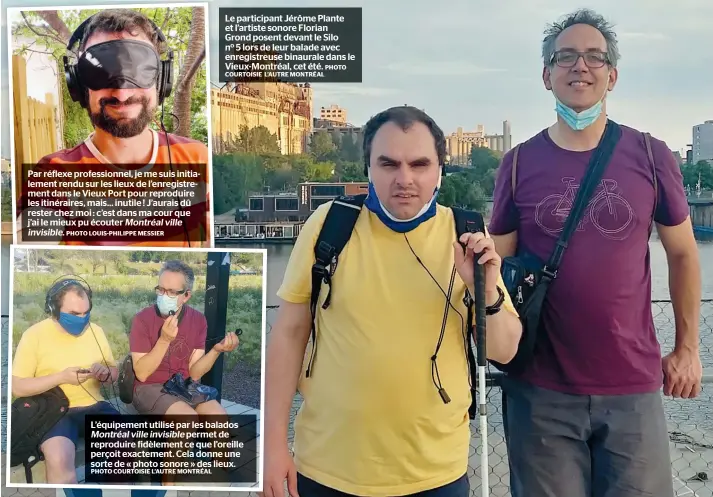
column 690, row 422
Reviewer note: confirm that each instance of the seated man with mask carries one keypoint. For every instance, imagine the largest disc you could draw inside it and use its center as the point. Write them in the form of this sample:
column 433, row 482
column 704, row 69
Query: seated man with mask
column 169, row 337
column 386, row 400
column 120, row 81
column 68, row 351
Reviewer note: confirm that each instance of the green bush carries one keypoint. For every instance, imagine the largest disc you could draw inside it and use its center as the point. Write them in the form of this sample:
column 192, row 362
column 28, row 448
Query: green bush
column 117, row 298
column 6, row 209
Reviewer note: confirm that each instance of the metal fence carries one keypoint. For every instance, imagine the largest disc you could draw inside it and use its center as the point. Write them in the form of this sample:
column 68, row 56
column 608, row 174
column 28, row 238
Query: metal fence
column 690, row 422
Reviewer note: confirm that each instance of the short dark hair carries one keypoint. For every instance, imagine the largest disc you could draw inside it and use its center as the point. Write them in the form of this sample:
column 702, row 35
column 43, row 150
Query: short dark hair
column 119, row 21
column 404, row 116
column 72, row 287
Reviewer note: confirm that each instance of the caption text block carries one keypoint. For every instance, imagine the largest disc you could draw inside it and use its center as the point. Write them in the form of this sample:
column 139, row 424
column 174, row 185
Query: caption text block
column 87, row 202
column 291, row 45
column 131, row 449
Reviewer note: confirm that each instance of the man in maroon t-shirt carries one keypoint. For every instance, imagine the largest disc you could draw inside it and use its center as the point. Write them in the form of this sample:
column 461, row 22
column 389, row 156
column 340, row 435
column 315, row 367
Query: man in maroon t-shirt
column 586, row 418
column 169, row 337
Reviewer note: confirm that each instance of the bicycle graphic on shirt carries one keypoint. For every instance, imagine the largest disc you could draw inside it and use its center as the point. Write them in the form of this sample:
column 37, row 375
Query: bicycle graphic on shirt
column 610, row 213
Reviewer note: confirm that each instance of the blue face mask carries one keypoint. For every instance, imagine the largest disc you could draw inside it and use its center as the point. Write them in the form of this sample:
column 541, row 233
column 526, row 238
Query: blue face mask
column 578, row 120
column 167, row 304
column 373, row 203
column 74, row 325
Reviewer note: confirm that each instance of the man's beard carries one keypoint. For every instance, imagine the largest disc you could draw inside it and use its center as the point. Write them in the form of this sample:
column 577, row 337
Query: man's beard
column 122, row 128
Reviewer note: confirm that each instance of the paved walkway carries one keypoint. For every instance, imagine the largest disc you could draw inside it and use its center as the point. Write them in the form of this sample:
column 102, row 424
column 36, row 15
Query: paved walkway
column 688, row 459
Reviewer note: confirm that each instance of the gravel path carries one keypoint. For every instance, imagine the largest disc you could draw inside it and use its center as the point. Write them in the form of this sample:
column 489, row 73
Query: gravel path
column 242, row 385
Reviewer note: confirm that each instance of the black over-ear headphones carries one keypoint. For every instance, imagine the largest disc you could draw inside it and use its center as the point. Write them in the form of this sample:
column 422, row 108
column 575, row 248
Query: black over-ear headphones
column 78, row 92
column 51, row 304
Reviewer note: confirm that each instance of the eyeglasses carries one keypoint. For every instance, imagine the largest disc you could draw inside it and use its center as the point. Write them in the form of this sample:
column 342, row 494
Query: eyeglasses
column 569, row 58
column 170, row 293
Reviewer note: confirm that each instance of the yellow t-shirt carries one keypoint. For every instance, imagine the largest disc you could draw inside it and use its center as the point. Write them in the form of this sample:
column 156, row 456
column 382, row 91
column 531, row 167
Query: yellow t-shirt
column 372, row 422
column 45, row 348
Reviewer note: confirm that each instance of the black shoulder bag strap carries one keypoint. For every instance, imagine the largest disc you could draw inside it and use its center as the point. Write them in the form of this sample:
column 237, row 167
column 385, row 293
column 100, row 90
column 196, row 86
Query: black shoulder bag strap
column 531, row 309
column 597, row 164
column 334, row 235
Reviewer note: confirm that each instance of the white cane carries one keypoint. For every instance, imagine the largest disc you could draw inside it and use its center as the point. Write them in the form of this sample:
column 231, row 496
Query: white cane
column 479, row 284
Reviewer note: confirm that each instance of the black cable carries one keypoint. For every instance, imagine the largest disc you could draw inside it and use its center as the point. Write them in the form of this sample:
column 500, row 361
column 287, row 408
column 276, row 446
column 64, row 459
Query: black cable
column 170, row 164
column 449, row 304
column 464, row 331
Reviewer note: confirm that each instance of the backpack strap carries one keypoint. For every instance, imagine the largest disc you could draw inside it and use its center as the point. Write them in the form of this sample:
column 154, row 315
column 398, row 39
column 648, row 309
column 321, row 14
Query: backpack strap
column 334, row 235
column 652, row 163
column 469, row 222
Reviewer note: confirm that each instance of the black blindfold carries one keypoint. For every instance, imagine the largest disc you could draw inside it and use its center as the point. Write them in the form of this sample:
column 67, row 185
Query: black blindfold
column 119, row 64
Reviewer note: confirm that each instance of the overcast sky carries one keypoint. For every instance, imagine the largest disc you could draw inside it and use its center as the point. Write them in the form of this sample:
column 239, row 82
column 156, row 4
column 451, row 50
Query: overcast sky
column 470, row 62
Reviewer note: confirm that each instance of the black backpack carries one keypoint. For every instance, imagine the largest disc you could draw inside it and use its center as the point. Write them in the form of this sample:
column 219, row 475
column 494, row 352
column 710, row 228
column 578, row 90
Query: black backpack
column 334, row 235
column 32, row 418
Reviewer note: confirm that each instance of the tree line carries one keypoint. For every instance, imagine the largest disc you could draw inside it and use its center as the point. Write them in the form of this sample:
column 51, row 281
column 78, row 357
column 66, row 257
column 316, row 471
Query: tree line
column 129, row 262
column 252, row 163
column 692, row 172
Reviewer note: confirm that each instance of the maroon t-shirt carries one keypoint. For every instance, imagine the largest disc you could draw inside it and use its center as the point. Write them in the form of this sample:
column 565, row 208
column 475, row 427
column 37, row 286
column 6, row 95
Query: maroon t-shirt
column 600, row 337
column 146, row 330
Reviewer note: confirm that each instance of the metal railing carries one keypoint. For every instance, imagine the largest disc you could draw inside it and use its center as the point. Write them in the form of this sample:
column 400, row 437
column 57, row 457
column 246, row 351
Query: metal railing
column 690, row 422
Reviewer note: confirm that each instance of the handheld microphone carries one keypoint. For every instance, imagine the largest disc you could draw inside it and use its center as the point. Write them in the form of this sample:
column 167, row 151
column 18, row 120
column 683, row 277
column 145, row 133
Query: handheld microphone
column 479, row 336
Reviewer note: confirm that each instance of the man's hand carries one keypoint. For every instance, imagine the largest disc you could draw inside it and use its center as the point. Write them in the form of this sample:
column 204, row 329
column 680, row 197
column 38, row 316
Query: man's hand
column 476, row 243
column 279, row 466
column 683, row 372
column 100, row 372
column 228, row 343
column 169, row 330
column 72, row 376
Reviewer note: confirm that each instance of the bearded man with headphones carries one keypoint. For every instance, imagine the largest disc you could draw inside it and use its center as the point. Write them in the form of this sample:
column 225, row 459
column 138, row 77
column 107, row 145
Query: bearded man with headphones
column 68, row 351
column 120, row 80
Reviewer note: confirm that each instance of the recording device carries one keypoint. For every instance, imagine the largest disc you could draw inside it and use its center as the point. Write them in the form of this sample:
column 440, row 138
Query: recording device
column 188, row 390
column 126, row 380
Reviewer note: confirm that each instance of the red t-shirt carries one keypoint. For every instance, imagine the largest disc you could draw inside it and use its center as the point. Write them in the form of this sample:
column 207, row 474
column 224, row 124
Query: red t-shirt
column 146, row 330
column 185, row 154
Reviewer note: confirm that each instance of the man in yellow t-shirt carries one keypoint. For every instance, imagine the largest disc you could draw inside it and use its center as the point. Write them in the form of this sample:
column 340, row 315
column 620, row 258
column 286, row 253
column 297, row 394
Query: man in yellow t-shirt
column 373, row 421
column 68, row 351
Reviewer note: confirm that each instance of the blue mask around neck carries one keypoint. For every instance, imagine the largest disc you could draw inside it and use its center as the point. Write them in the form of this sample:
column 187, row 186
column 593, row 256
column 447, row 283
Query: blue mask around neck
column 579, row 120
column 74, row 325
column 373, row 203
